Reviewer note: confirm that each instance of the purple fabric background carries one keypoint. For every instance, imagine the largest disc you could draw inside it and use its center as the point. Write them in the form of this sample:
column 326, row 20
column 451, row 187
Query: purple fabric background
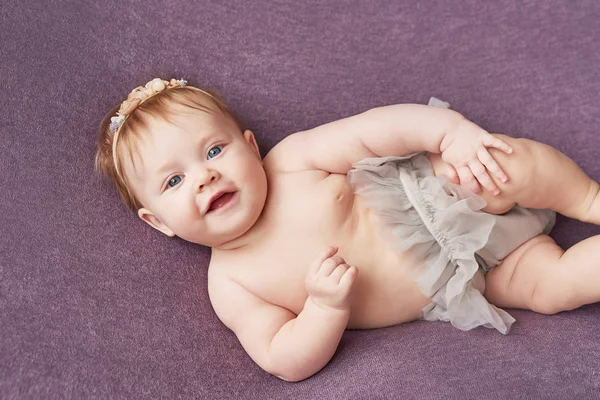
column 96, row 305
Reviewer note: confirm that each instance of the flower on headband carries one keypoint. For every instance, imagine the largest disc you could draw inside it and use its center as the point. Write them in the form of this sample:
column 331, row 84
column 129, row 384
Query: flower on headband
column 139, row 95
column 115, row 122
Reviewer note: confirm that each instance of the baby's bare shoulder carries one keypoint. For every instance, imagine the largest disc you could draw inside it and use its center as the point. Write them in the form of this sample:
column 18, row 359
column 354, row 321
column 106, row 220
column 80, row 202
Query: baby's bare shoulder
column 332, row 148
column 288, row 155
column 299, row 151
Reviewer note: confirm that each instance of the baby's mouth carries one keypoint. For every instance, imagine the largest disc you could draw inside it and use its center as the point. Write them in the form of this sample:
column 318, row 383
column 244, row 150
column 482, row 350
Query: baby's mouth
column 220, row 201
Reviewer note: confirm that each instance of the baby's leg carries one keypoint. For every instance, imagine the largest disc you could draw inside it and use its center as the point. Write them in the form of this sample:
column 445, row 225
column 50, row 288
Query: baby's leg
column 542, row 177
column 540, row 276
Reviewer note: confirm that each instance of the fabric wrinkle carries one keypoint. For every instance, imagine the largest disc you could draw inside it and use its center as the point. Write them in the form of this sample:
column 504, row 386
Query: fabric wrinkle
column 443, row 225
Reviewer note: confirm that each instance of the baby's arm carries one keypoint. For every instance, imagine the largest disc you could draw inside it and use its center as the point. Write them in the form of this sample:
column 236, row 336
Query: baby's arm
column 285, row 345
column 397, row 130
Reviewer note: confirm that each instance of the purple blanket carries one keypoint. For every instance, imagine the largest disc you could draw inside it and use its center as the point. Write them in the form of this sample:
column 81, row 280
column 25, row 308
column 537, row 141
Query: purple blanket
column 94, row 304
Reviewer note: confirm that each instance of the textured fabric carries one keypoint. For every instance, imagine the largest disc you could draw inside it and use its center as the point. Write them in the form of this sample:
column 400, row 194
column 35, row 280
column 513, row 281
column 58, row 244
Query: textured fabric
column 94, row 304
column 443, row 226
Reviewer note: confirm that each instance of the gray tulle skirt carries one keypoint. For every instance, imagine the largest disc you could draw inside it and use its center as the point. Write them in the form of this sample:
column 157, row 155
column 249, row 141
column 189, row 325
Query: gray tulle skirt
column 442, row 224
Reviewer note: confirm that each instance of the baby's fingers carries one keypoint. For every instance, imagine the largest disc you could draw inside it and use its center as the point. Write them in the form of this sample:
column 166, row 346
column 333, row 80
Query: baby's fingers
column 486, row 159
column 468, row 180
column 316, row 266
column 483, row 178
column 330, row 266
column 489, row 140
column 348, row 278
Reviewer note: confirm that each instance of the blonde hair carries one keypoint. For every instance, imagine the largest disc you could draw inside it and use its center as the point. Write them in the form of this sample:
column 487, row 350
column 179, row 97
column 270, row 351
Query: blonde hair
column 127, row 123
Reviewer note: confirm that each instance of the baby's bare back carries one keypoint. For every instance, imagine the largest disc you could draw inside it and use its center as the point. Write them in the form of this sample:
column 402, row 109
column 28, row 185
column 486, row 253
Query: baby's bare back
column 305, row 212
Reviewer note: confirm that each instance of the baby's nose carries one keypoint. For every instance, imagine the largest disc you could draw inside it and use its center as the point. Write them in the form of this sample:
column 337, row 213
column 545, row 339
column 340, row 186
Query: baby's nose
column 207, row 178
column 207, row 182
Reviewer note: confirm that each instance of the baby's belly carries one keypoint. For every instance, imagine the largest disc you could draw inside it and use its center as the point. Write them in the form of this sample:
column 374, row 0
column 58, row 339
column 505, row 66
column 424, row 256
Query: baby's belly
column 385, row 292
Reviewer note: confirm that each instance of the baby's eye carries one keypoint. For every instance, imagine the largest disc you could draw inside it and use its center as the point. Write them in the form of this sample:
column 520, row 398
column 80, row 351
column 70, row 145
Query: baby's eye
column 213, row 152
column 174, row 181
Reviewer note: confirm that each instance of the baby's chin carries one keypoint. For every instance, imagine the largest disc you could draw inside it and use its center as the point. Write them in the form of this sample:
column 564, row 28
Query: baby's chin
column 228, row 238
column 221, row 240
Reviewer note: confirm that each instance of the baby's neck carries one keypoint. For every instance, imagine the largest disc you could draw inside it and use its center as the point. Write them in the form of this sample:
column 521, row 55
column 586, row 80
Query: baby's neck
column 245, row 240
column 232, row 245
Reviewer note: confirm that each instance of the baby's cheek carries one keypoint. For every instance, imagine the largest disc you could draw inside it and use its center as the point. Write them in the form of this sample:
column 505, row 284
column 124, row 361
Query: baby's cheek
column 181, row 217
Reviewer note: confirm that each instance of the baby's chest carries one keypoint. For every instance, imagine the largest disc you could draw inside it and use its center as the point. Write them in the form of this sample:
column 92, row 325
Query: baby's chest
column 304, row 214
column 309, row 203
column 277, row 273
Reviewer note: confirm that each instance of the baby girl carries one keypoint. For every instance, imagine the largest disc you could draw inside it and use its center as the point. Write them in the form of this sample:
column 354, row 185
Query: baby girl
column 400, row 213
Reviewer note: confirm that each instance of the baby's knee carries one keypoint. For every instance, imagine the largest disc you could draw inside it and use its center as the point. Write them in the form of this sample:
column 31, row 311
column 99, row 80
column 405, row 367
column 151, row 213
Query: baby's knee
column 554, row 294
column 519, row 166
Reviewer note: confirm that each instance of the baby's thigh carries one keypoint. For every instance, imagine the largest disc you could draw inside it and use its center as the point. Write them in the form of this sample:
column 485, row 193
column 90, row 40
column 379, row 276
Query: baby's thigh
column 523, row 273
column 519, row 167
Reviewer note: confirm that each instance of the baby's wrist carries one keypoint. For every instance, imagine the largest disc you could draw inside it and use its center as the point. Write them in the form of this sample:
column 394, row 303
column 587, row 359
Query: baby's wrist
column 451, row 134
column 327, row 308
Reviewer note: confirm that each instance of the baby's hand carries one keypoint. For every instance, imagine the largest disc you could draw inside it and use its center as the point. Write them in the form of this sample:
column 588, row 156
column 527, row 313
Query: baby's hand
column 329, row 281
column 465, row 148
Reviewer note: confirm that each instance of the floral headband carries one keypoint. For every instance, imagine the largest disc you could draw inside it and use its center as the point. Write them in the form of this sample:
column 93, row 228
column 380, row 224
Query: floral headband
column 137, row 96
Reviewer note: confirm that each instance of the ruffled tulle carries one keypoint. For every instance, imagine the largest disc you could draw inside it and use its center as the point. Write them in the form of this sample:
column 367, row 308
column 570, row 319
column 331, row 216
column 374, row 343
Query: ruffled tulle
column 441, row 224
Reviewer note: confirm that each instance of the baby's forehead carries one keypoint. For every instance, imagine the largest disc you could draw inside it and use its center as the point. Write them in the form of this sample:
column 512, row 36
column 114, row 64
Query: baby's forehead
column 185, row 118
column 206, row 122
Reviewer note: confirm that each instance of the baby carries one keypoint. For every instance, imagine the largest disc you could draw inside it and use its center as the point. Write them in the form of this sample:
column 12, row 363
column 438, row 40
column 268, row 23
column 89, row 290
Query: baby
column 400, row 213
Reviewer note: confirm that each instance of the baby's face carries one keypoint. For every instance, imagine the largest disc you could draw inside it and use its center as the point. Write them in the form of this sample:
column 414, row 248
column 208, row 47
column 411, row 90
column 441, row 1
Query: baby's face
column 199, row 178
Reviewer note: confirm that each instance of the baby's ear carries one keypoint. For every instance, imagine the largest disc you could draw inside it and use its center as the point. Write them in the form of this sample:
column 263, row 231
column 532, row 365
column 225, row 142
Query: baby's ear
column 249, row 136
column 148, row 217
